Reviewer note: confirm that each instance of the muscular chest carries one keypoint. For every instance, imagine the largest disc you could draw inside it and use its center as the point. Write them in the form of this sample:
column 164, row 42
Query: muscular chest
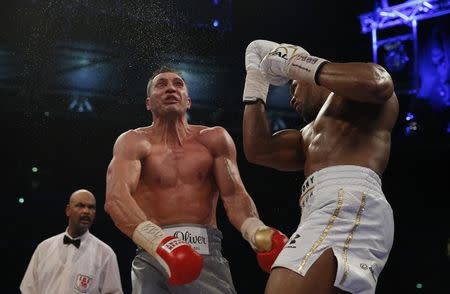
column 325, row 135
column 170, row 166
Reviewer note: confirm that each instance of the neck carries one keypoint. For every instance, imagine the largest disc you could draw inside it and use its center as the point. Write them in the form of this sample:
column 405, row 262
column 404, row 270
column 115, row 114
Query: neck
column 171, row 131
column 75, row 233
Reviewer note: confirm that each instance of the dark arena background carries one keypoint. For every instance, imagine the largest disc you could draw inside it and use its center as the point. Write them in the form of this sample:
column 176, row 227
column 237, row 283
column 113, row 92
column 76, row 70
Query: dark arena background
column 73, row 76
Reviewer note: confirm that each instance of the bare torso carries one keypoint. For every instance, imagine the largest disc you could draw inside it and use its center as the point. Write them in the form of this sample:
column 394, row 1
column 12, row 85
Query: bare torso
column 177, row 183
column 346, row 132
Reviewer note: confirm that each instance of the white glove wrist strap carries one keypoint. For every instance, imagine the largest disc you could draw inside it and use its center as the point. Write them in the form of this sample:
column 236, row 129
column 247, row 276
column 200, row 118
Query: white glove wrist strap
column 249, row 228
column 256, row 87
column 305, row 68
column 148, row 235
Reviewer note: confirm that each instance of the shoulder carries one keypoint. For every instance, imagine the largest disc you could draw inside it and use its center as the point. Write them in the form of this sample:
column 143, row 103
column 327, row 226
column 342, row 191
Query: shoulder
column 132, row 135
column 49, row 242
column 216, row 132
column 101, row 246
column 391, row 111
column 132, row 141
column 217, row 140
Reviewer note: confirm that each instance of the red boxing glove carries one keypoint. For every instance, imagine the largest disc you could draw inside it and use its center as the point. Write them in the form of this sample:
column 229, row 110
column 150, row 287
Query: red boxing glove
column 267, row 257
column 180, row 260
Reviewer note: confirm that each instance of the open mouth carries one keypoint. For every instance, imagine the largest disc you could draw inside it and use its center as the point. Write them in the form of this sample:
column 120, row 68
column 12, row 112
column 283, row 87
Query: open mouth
column 85, row 220
column 171, row 99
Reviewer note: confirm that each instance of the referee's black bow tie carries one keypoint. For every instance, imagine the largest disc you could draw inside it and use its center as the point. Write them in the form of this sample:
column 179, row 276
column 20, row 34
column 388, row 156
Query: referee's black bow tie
column 75, row 242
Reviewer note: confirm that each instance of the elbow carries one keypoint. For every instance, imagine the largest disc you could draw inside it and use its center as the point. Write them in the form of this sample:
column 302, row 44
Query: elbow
column 251, row 154
column 110, row 204
column 253, row 159
column 262, row 160
column 381, row 85
column 107, row 207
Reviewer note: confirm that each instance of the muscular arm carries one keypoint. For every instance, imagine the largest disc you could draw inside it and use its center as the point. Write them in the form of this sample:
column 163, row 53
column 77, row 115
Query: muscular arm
column 281, row 150
column 362, row 82
column 237, row 203
column 121, row 181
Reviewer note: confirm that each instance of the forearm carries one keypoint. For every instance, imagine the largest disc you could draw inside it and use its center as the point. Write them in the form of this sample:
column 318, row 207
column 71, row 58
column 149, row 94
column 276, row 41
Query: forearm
column 123, row 209
column 257, row 133
column 243, row 214
column 362, row 82
column 358, row 81
column 239, row 207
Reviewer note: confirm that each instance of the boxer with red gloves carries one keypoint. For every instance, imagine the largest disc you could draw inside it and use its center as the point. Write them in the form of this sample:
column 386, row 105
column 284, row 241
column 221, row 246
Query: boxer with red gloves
column 267, row 242
column 181, row 262
column 162, row 189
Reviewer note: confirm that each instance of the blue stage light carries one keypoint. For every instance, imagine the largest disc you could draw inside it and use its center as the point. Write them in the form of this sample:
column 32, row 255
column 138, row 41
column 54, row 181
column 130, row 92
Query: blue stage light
column 410, row 116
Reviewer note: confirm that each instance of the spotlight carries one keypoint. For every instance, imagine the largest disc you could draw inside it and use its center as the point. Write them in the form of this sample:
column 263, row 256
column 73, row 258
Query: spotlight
column 215, row 23
column 396, row 57
column 411, row 128
column 80, row 104
column 410, row 116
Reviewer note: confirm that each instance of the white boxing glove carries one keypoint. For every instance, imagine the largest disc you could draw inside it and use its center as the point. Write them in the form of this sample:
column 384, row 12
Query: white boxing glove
column 256, row 86
column 290, row 62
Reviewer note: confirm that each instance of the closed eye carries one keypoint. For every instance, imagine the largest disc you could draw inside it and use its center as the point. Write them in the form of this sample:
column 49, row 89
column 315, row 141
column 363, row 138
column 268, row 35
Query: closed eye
column 161, row 83
column 178, row 83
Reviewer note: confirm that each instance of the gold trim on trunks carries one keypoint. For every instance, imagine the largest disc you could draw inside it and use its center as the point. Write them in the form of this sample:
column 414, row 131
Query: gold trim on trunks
column 350, row 236
column 325, row 231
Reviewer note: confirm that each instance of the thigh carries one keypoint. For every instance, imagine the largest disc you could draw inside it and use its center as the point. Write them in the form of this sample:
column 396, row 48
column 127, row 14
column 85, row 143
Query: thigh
column 147, row 277
column 319, row 278
column 215, row 278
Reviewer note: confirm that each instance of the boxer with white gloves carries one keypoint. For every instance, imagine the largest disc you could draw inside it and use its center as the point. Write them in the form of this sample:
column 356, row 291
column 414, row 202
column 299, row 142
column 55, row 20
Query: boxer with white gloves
column 256, row 85
column 346, row 229
column 290, row 62
column 268, row 62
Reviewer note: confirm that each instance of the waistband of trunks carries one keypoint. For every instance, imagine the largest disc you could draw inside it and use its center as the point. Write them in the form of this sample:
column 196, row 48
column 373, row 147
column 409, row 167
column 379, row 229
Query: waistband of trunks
column 341, row 175
column 192, row 234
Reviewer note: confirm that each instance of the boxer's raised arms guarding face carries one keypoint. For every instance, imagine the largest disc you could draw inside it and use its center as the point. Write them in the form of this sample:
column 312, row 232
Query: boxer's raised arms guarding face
column 350, row 110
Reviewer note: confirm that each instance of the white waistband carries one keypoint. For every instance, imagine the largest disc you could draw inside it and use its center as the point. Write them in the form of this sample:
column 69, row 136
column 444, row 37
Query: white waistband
column 196, row 236
column 341, row 174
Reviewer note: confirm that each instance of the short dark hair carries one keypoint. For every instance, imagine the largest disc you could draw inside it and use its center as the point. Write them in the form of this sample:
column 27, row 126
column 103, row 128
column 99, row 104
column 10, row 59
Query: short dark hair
column 161, row 70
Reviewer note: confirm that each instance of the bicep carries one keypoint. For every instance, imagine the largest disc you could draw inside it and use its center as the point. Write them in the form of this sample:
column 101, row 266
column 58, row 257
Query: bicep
column 125, row 167
column 227, row 176
column 391, row 110
column 226, row 171
column 284, row 152
column 235, row 199
column 358, row 81
column 123, row 171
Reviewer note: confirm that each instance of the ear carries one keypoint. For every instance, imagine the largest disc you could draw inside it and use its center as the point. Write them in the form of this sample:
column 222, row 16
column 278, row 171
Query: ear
column 67, row 210
column 147, row 103
column 189, row 102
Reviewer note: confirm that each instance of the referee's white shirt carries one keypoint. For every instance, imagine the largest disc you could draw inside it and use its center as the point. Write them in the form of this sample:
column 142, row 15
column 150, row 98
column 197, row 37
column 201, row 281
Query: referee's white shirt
column 57, row 268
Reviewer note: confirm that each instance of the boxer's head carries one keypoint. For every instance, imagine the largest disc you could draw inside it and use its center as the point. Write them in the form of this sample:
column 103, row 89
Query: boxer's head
column 307, row 99
column 167, row 92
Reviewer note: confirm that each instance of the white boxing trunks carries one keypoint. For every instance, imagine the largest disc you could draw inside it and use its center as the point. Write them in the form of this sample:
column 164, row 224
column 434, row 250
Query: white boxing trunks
column 343, row 208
